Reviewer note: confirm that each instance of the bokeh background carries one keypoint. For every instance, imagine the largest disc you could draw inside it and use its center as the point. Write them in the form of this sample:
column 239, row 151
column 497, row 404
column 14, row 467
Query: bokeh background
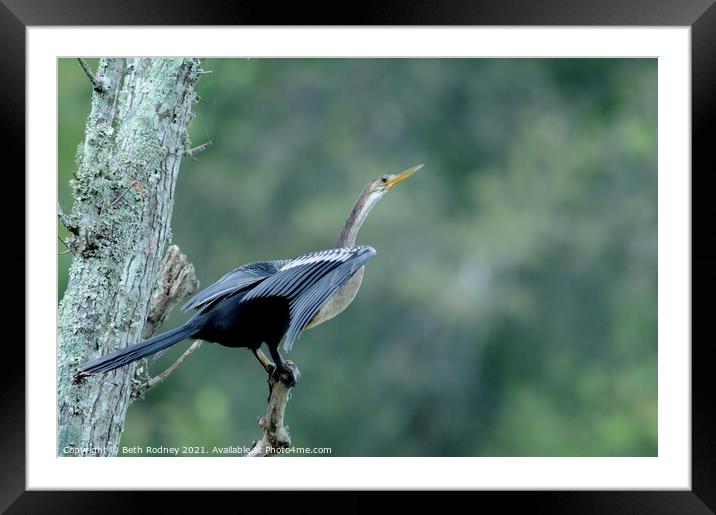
column 511, row 309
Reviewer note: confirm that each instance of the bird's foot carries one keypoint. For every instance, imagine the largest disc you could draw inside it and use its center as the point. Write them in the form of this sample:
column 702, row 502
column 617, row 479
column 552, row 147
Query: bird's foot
column 287, row 373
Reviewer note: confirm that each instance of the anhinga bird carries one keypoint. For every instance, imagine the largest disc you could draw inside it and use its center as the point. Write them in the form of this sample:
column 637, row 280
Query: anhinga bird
column 270, row 301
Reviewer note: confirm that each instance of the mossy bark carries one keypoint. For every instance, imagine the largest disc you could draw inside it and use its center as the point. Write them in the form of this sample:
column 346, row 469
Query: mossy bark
column 127, row 168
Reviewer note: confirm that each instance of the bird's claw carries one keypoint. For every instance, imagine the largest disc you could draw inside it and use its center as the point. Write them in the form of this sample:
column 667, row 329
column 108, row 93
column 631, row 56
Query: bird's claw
column 287, row 373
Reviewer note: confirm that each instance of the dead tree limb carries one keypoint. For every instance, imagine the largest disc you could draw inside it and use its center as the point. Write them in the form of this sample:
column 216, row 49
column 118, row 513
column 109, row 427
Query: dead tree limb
column 275, row 435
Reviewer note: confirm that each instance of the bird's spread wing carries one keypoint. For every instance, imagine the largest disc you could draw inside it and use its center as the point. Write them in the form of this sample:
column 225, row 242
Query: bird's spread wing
column 308, row 281
column 307, row 305
column 237, row 280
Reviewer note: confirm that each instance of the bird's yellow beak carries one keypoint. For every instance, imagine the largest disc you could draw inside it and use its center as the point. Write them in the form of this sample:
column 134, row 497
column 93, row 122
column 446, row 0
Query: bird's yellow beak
column 397, row 179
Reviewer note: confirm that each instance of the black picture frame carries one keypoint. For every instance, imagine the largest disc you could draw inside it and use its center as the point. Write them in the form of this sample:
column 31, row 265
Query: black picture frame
column 17, row 15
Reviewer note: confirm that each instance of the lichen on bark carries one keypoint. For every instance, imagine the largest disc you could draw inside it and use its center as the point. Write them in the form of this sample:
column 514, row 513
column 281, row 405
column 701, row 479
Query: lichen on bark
column 127, row 166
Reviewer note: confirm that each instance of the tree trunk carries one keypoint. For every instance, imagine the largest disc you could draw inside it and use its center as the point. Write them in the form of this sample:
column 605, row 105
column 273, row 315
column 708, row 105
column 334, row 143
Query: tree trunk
column 127, row 168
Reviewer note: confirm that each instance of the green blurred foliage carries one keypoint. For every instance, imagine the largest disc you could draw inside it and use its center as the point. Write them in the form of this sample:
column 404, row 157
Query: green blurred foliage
column 511, row 309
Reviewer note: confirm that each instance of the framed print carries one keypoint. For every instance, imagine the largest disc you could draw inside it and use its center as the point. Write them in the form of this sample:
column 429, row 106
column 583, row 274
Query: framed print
column 515, row 313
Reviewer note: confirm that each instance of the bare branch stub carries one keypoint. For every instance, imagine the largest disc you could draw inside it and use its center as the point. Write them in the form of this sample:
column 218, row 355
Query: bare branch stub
column 96, row 83
column 67, row 246
column 192, row 152
column 65, row 220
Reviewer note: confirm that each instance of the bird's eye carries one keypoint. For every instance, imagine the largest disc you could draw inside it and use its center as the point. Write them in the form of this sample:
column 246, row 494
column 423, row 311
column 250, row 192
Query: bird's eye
column 384, row 178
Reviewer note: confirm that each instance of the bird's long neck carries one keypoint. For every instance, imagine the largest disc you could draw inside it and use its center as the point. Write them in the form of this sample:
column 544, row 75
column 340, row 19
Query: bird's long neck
column 365, row 202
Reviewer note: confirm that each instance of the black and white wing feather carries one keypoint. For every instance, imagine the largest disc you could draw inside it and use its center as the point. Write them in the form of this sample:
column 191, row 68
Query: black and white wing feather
column 308, row 282
column 236, row 281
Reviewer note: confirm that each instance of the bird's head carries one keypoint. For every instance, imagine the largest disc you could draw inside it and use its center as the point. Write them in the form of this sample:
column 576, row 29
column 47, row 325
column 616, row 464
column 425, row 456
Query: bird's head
column 370, row 195
column 380, row 185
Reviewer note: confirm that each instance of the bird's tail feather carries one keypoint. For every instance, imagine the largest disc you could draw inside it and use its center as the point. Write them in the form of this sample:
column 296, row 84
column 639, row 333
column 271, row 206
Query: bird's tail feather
column 137, row 351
